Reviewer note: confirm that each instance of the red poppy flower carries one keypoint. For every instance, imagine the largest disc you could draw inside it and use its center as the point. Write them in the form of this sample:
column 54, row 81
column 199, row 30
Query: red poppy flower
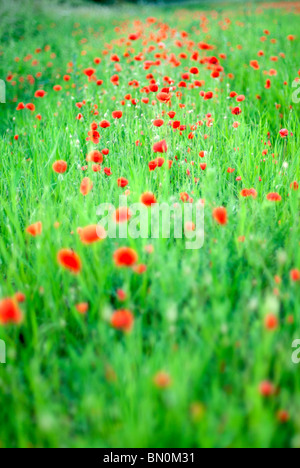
column 95, row 156
column 189, row 226
column 152, row 165
column 220, row 215
column 158, row 122
column 86, row 186
column 20, row 297
column 107, row 171
column 140, row 269
column 91, row 234
column 171, row 114
column 294, row 185
column 266, row 389
column 10, row 312
column 163, row 97
column 96, row 168
column 82, row 307
column 121, row 294
column 125, row 256
column 122, row 214
column 93, row 136
column 60, row 166
column 184, row 197
column 236, row 111
column 69, row 260
column 160, row 147
column 153, row 87
column 208, row 95
column 35, row 229
column 271, row 322
column 268, row 84
column 89, row 72
column 148, row 198
column 115, row 58
column 104, row 124
column 249, row 193
column 283, row 132
column 115, row 80
column 283, row 416
column 30, row 107
column 122, row 182
column 122, row 320
column 159, row 162
column 295, row 275
column 176, row 124
column 162, row 380
column 117, row 114
column 20, row 106
column 274, row 196
column 254, row 64
column 40, row 93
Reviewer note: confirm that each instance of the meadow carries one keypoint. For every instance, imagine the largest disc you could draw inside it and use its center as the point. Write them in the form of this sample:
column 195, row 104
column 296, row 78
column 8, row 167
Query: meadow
column 143, row 342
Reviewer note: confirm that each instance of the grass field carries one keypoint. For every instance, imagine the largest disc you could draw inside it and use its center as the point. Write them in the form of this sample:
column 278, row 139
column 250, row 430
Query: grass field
column 202, row 357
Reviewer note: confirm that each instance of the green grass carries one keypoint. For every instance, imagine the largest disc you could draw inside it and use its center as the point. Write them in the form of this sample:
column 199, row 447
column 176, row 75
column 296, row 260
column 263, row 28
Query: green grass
column 73, row 380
